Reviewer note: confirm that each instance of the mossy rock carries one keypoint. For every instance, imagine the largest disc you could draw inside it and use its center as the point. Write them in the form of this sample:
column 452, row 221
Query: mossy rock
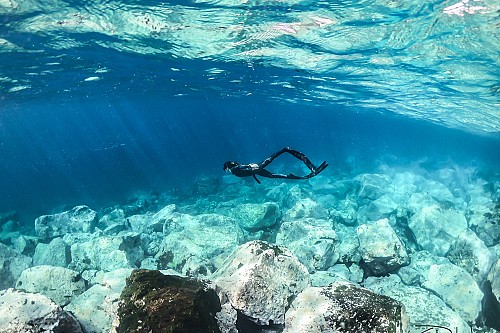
column 158, row 303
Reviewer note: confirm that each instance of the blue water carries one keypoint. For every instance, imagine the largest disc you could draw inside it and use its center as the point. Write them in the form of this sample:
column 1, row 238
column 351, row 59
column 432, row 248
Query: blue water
column 101, row 99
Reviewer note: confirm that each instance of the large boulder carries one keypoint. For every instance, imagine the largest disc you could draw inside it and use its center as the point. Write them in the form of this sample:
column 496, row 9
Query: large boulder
column 197, row 245
column 305, row 208
column 153, row 302
column 12, row 263
column 78, row 219
column 436, row 229
column 470, row 253
column 380, row 208
column 457, row 288
column 107, row 253
column 59, row 284
column 311, row 240
column 97, row 308
column 253, row 217
column 373, row 186
column 422, row 306
column 381, row 249
column 33, row 313
column 343, row 307
column 55, row 253
column 260, row 280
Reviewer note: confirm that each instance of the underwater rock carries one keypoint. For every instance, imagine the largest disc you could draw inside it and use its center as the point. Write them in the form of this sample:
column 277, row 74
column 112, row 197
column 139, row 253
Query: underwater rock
column 322, row 185
column 116, row 216
column 456, row 288
column 381, row 249
column 260, row 280
column 436, row 229
column 305, row 208
column 25, row 244
column 418, row 270
column 97, row 307
column 346, row 212
column 378, row 209
column 56, row 253
column 59, row 284
column 199, row 244
column 107, row 253
column 494, row 279
column 78, row 219
column 485, row 222
column 343, row 307
column 158, row 220
column 8, row 216
column 12, row 263
column 25, row 312
column 422, row 306
column 153, row 302
column 372, row 186
column 470, row 253
column 348, row 248
column 293, row 195
column 256, row 216
column 405, row 185
column 419, row 201
column 442, row 194
column 339, row 272
column 311, row 240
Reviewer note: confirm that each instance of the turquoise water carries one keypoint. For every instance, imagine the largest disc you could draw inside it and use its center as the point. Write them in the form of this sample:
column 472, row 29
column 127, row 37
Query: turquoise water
column 101, row 100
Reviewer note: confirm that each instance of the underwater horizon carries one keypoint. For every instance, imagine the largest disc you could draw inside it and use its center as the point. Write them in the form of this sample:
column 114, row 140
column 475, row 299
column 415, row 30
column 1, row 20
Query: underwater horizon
column 127, row 108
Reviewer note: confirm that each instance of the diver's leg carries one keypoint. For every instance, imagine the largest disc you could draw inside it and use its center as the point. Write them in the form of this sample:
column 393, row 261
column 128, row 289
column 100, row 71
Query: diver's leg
column 302, row 157
column 268, row 160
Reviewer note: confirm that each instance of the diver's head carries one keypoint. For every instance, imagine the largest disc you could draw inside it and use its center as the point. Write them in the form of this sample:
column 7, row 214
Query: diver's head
column 228, row 165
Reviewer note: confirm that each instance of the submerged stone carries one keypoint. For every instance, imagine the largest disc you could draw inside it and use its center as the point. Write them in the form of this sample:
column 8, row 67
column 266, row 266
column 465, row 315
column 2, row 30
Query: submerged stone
column 12, row 263
column 343, row 307
column 59, row 284
column 33, row 313
column 78, row 219
column 256, row 216
column 153, row 302
column 381, row 249
column 56, row 253
column 260, row 280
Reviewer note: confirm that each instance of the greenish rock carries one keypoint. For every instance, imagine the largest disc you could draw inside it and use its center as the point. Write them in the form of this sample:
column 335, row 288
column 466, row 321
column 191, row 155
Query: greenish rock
column 12, row 263
column 153, row 302
column 56, row 253
column 78, row 219
column 256, row 216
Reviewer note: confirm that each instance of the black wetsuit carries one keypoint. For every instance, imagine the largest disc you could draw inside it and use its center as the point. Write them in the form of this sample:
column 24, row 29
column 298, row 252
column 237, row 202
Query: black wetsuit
column 247, row 170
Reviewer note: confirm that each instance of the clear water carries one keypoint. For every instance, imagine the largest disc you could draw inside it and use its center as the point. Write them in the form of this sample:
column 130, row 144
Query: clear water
column 100, row 98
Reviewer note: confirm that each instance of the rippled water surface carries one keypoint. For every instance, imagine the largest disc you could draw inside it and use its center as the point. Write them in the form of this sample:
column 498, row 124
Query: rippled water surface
column 117, row 93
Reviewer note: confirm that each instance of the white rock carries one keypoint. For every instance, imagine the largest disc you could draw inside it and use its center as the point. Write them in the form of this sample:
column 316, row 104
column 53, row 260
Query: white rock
column 59, row 284
column 260, row 279
column 26, row 313
column 381, row 249
column 197, row 245
column 436, row 229
column 470, row 253
column 343, row 307
column 457, row 288
column 12, row 263
column 56, row 253
column 78, row 219
column 305, row 208
column 107, row 253
column 256, row 216
column 422, row 306
column 311, row 240
column 373, row 186
column 380, row 208
column 97, row 307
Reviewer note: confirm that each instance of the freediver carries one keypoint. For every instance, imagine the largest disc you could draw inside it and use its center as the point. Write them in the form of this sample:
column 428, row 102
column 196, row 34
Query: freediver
column 252, row 169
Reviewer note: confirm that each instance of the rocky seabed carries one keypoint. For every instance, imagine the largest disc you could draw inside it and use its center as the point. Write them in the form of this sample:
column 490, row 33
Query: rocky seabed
column 396, row 251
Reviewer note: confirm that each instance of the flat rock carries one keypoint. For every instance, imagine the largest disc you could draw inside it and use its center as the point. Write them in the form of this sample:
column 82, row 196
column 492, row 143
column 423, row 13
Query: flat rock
column 436, row 229
column 197, row 245
column 33, row 313
column 381, row 249
column 260, row 280
column 343, row 307
column 97, row 307
column 422, row 306
column 457, row 288
column 311, row 240
column 59, row 284
column 12, row 263
column 56, row 253
column 78, row 219
column 107, row 253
